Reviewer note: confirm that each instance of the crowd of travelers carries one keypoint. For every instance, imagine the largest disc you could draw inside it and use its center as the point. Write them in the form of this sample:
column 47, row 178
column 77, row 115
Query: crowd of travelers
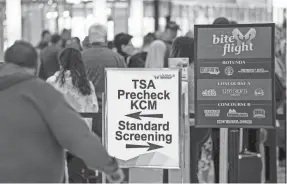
column 44, row 87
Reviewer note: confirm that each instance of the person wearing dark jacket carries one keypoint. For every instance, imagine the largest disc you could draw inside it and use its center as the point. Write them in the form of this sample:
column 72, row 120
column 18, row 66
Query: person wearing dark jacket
column 66, row 37
column 183, row 47
column 49, row 58
column 45, row 38
column 168, row 37
column 215, row 132
column 138, row 59
column 86, row 43
column 96, row 58
column 124, row 46
column 77, row 42
column 38, row 125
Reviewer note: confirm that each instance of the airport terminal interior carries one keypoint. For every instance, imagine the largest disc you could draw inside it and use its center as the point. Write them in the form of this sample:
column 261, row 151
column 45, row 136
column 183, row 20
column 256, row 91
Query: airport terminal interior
column 26, row 19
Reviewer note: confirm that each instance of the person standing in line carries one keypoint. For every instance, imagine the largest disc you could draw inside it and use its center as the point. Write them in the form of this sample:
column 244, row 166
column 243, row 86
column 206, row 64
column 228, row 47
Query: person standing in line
column 86, row 43
column 66, row 37
column 215, row 132
column 156, row 55
column 96, row 59
column 73, row 83
column 190, row 34
column 201, row 161
column 49, row 58
column 76, row 43
column 138, row 59
column 159, row 35
column 124, row 46
column 38, row 125
column 167, row 37
column 171, row 31
column 183, row 47
column 111, row 46
column 45, row 39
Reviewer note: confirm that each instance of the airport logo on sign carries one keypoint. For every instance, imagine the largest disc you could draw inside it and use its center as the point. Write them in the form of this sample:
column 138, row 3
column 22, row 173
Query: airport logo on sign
column 243, row 42
column 259, row 92
column 235, row 92
column 232, row 113
column 210, row 70
column 229, row 71
column 209, row 92
column 259, row 113
column 211, row 113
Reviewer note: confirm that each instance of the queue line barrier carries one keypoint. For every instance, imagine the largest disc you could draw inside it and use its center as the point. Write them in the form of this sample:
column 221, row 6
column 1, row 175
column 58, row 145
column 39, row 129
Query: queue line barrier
column 272, row 176
column 191, row 115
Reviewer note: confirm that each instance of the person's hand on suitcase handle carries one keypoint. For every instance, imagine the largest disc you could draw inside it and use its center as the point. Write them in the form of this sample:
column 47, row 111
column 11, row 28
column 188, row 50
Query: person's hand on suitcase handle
column 117, row 175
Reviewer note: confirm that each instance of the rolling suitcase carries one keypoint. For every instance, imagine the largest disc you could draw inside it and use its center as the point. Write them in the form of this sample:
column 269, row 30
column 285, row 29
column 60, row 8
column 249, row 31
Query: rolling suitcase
column 249, row 163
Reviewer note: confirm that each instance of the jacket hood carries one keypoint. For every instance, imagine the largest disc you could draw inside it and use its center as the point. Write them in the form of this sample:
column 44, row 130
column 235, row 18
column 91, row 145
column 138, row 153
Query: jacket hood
column 11, row 75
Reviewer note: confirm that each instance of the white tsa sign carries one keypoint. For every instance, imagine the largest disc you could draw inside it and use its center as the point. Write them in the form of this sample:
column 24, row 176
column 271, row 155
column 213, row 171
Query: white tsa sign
column 142, row 117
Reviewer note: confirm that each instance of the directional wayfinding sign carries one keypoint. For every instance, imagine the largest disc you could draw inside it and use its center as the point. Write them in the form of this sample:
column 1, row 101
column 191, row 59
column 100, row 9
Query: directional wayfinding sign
column 142, row 117
column 234, row 76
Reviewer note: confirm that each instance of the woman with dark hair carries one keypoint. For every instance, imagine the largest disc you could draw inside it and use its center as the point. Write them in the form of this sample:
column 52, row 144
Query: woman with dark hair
column 73, row 83
column 124, row 46
column 76, row 42
column 183, row 47
column 221, row 21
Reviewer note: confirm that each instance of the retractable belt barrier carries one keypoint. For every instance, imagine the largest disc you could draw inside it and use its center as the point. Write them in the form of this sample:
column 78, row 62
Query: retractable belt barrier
column 191, row 115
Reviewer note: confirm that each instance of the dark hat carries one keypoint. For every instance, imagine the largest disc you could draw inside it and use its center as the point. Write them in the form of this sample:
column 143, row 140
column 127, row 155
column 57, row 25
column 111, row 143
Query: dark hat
column 173, row 26
column 221, row 20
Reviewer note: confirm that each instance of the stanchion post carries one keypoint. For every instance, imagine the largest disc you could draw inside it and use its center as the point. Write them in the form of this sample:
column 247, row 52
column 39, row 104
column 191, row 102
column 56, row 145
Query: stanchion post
column 223, row 163
column 103, row 128
column 233, row 151
column 165, row 176
column 272, row 156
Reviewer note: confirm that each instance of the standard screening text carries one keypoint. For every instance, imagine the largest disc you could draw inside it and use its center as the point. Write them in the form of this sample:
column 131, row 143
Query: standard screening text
column 143, row 132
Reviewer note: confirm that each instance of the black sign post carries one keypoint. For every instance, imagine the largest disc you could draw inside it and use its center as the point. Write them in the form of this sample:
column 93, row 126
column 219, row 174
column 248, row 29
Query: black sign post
column 234, row 81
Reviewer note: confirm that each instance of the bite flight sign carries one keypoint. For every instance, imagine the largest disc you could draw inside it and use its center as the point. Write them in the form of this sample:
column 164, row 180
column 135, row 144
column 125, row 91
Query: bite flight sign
column 234, row 76
column 142, row 117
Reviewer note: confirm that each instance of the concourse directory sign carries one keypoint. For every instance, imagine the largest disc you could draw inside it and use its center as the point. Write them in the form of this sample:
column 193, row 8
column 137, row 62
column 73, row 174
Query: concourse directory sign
column 234, row 76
